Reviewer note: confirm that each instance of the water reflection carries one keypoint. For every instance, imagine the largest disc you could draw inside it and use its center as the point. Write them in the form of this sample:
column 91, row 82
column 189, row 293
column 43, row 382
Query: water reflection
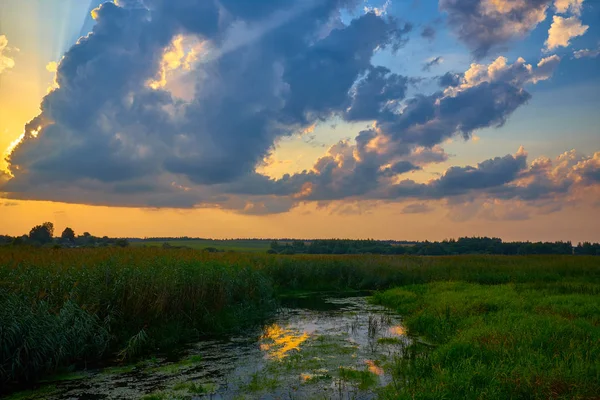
column 300, row 351
column 374, row 368
column 397, row 330
column 279, row 341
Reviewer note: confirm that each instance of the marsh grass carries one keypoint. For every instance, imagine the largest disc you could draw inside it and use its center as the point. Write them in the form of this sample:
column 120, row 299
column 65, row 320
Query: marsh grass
column 59, row 308
column 73, row 307
column 259, row 382
column 532, row 340
column 364, row 379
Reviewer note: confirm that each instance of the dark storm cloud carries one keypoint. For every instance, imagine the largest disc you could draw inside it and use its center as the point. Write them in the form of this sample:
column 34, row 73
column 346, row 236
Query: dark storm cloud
column 373, row 92
column 485, row 99
column 276, row 90
column 457, row 181
column 490, row 173
column 450, row 79
column 485, row 25
column 111, row 126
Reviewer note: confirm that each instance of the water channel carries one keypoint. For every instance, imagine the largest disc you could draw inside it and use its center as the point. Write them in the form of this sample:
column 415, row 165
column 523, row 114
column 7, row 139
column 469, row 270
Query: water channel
column 314, row 348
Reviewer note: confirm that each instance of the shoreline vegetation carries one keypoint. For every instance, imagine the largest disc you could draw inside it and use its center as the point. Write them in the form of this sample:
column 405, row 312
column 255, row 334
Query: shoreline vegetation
column 68, row 308
column 526, row 340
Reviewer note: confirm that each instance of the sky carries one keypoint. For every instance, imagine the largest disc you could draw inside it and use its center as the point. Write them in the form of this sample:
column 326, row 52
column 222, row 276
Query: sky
column 393, row 119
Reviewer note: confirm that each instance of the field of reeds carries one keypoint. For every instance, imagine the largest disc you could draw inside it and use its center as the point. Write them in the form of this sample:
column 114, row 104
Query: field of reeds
column 75, row 307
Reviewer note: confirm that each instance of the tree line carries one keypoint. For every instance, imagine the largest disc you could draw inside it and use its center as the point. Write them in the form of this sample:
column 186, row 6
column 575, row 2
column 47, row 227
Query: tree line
column 43, row 235
column 464, row 245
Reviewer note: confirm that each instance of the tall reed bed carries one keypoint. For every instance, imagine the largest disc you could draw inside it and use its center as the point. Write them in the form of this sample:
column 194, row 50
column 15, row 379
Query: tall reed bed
column 71, row 306
column 64, row 307
column 374, row 272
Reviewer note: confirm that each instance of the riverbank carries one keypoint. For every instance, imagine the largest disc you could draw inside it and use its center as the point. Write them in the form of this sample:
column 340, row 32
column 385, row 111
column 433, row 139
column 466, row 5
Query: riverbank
column 535, row 340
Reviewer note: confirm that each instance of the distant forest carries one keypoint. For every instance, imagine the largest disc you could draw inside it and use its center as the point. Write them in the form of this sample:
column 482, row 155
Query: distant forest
column 465, row 245
column 43, row 235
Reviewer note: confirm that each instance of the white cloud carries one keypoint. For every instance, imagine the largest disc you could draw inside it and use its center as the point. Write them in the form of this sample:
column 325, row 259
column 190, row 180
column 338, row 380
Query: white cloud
column 5, row 61
column 587, row 53
column 379, row 11
column 564, row 6
column 517, row 73
column 563, row 30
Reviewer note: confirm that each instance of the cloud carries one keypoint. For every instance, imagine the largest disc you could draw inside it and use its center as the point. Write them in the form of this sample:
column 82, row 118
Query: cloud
column 572, row 6
column 108, row 128
column 52, row 66
column 374, row 92
column 546, row 179
column 417, row 208
column 484, row 96
column 450, row 79
column 379, row 11
column 587, row 53
column 487, row 25
column 428, row 33
column 563, row 30
column 588, row 170
column 6, row 62
column 432, row 62
column 156, row 108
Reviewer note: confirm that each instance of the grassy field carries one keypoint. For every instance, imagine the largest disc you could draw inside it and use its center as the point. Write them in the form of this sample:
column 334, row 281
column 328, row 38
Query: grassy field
column 535, row 340
column 502, row 327
column 245, row 246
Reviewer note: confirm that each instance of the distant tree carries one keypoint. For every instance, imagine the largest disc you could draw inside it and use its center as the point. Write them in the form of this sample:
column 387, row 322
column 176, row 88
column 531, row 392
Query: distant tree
column 42, row 234
column 68, row 234
column 121, row 242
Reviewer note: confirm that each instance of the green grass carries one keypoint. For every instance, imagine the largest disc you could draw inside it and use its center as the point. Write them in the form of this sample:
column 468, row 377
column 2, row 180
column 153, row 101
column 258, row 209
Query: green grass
column 33, row 394
column 194, row 387
column 173, row 368
column 364, row 379
column 390, row 340
column 259, row 382
column 125, row 369
column 518, row 340
column 243, row 246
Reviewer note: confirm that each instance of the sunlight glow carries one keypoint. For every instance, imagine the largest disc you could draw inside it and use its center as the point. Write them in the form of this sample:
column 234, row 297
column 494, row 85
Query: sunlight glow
column 397, row 330
column 180, row 55
column 373, row 368
column 281, row 341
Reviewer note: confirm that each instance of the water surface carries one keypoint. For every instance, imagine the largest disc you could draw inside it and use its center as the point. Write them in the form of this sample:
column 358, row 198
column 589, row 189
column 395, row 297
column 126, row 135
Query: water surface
column 315, row 347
